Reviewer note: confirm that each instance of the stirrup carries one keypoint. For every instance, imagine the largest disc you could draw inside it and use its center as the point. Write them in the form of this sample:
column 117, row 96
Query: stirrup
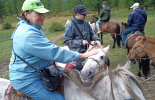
column 21, row 94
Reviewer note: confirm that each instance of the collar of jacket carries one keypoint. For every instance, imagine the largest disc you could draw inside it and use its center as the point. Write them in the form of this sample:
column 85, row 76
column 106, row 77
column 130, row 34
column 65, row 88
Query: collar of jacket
column 23, row 21
column 77, row 20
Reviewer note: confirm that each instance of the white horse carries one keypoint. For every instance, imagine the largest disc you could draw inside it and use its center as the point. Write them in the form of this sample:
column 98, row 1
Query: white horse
column 91, row 25
column 4, row 83
column 99, row 83
column 68, row 20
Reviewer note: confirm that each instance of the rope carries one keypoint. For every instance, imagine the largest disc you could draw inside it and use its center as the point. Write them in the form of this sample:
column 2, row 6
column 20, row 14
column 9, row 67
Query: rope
column 88, row 92
column 111, row 84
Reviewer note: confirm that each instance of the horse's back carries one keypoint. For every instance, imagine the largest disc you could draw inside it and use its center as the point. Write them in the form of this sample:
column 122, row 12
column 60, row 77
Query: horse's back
column 132, row 39
column 109, row 27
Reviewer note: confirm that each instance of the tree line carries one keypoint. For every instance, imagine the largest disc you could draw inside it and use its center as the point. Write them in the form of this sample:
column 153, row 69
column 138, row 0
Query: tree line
column 13, row 7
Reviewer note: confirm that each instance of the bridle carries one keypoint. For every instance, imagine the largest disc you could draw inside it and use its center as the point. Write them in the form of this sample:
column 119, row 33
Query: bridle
column 100, row 66
column 135, row 54
column 146, row 57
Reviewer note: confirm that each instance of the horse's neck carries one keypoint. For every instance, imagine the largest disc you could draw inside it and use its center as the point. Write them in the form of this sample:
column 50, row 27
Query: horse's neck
column 150, row 48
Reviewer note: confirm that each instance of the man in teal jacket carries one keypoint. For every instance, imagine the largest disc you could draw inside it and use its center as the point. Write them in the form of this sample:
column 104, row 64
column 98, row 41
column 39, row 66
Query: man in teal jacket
column 104, row 16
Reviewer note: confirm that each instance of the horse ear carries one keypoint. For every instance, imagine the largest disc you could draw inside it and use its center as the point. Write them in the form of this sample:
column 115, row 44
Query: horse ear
column 122, row 23
column 106, row 49
column 139, row 38
column 127, row 65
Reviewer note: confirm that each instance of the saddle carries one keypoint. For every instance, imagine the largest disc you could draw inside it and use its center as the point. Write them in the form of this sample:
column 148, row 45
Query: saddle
column 131, row 37
column 12, row 94
column 101, row 25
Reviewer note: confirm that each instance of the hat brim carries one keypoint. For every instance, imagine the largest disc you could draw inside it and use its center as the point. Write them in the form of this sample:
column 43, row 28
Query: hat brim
column 131, row 7
column 41, row 10
column 86, row 12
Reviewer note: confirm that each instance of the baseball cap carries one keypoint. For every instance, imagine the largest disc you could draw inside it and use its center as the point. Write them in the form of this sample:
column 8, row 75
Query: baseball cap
column 81, row 9
column 35, row 5
column 135, row 4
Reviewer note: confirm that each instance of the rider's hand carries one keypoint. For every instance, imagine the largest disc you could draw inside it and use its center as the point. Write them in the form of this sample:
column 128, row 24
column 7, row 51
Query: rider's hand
column 92, row 42
column 85, row 42
column 98, row 43
column 90, row 53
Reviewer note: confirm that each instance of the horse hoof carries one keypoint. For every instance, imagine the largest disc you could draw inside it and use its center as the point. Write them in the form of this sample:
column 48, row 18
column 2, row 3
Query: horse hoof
column 139, row 74
column 119, row 46
column 113, row 47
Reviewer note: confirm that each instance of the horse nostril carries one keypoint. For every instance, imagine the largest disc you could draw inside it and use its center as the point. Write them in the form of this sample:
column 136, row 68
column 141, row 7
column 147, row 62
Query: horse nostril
column 90, row 73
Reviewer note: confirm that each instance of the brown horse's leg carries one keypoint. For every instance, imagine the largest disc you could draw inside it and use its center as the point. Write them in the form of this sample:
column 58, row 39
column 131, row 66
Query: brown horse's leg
column 114, row 38
column 101, row 37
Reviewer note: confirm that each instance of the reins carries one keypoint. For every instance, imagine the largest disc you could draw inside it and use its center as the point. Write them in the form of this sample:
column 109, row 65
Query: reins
column 88, row 92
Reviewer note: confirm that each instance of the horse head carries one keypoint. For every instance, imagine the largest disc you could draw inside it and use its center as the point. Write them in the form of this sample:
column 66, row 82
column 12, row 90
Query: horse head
column 68, row 20
column 123, row 27
column 93, row 64
column 94, row 19
column 137, row 50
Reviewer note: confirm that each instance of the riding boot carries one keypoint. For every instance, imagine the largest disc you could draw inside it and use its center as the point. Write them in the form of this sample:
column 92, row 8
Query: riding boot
column 98, row 32
column 123, row 45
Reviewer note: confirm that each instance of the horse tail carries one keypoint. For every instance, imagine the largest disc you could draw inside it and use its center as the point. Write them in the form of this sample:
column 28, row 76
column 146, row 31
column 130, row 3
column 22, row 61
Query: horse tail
column 118, row 36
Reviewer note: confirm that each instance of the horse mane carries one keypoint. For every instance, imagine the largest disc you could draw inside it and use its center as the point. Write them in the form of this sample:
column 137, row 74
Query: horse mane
column 125, row 74
column 126, row 25
column 145, row 37
column 150, row 39
column 95, row 17
column 75, row 77
column 96, row 47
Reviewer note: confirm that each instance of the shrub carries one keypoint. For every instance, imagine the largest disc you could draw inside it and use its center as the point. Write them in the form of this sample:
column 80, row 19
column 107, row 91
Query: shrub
column 56, row 26
column 6, row 25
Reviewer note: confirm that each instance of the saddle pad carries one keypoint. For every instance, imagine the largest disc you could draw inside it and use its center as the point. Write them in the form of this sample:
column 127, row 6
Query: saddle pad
column 131, row 34
column 101, row 25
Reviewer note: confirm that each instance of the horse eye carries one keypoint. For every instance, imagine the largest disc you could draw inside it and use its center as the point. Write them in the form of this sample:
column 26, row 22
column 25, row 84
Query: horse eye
column 102, row 57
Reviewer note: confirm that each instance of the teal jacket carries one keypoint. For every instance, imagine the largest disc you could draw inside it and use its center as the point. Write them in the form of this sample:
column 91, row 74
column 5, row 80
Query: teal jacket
column 31, row 44
column 105, row 14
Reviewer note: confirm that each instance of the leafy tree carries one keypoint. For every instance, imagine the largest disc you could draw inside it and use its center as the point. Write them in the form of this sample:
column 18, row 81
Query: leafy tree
column 2, row 9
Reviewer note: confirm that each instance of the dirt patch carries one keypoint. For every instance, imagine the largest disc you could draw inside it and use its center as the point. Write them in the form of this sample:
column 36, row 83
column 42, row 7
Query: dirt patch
column 4, row 69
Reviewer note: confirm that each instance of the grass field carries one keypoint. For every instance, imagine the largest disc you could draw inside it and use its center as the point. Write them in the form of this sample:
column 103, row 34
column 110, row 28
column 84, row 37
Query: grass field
column 117, row 55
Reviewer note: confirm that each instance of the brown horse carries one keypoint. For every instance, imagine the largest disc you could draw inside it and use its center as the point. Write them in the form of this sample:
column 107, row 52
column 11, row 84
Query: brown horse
column 109, row 27
column 143, row 64
column 144, row 46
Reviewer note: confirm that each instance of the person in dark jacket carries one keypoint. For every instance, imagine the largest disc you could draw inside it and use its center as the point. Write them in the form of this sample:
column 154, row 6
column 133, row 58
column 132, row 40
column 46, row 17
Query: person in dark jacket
column 78, row 41
column 136, row 20
column 104, row 16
